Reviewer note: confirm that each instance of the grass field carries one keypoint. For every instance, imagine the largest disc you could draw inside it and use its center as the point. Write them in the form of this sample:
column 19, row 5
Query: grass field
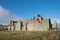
column 26, row 35
column 19, row 35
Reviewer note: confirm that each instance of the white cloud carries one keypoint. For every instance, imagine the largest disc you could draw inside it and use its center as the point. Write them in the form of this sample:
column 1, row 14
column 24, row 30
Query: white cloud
column 56, row 20
column 5, row 15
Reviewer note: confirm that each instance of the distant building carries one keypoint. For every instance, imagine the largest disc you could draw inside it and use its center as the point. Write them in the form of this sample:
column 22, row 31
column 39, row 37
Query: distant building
column 3, row 27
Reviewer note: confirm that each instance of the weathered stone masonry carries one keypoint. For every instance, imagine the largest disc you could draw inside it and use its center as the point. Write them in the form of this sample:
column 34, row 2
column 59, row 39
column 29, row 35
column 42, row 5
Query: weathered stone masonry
column 34, row 24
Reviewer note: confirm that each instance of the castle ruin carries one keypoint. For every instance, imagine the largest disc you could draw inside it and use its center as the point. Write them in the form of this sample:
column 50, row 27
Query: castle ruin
column 33, row 24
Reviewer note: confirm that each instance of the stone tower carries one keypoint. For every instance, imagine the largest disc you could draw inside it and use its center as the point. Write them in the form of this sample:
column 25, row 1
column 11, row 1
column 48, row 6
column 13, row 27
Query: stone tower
column 14, row 25
column 18, row 25
column 39, row 17
column 54, row 25
column 10, row 27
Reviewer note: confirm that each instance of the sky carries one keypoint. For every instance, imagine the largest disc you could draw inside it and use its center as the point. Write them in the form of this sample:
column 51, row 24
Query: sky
column 26, row 9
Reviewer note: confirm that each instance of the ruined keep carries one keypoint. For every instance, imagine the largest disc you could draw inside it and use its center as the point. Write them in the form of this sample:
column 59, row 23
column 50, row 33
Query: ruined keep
column 33, row 24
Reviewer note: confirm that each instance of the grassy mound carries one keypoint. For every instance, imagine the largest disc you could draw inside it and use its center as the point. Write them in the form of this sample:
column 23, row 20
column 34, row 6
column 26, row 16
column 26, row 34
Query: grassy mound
column 26, row 35
column 54, row 35
column 19, row 35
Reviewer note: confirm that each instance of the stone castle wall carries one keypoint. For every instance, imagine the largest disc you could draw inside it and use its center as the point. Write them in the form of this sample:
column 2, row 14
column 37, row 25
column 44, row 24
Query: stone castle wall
column 34, row 24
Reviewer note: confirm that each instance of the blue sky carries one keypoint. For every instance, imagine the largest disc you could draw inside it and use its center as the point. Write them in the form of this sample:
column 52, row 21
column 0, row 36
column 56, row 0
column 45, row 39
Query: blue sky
column 28, row 8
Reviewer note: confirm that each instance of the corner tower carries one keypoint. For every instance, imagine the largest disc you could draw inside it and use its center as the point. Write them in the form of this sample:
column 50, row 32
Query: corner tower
column 39, row 17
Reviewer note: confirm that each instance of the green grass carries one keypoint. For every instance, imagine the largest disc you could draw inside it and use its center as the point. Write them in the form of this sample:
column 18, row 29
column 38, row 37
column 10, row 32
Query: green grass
column 19, row 35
